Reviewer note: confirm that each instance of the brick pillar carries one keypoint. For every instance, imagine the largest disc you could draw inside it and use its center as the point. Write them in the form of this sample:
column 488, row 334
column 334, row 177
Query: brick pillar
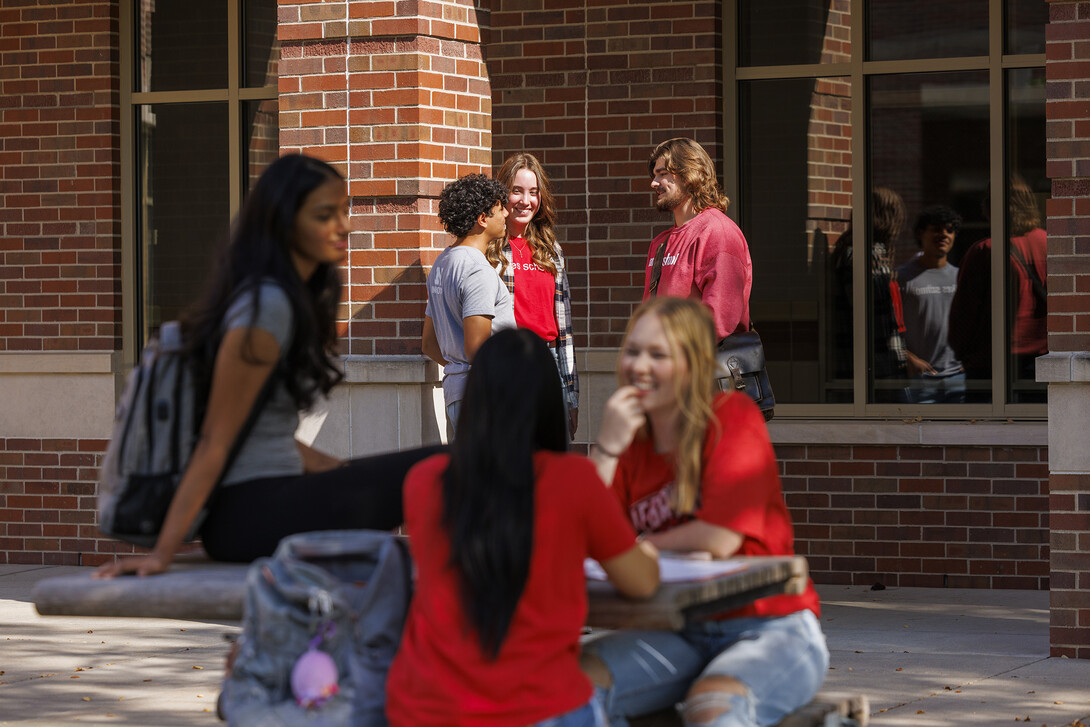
column 397, row 96
column 1067, row 367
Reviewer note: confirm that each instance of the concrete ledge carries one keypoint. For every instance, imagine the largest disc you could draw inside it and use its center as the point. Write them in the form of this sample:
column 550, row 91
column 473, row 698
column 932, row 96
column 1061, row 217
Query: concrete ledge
column 1064, row 367
column 390, row 370
column 59, row 362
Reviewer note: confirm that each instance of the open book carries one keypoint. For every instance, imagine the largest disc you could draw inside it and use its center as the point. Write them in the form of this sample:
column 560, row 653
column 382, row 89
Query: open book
column 678, row 567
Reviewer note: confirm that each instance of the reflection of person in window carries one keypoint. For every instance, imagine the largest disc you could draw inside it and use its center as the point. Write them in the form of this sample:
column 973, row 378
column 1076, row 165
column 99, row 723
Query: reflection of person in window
column 927, row 284
column 888, row 352
column 970, row 313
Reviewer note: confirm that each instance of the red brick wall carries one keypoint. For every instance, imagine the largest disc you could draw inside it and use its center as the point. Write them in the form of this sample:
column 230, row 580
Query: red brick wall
column 958, row 517
column 59, row 177
column 591, row 88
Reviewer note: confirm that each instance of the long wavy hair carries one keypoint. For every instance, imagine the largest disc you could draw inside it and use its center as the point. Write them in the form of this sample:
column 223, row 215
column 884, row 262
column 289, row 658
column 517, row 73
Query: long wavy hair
column 488, row 487
column 540, row 234
column 690, row 331
column 259, row 250
column 687, row 160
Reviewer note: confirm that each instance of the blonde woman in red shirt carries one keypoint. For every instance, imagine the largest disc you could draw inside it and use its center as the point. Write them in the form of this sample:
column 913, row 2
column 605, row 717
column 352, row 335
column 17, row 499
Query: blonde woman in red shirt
column 531, row 262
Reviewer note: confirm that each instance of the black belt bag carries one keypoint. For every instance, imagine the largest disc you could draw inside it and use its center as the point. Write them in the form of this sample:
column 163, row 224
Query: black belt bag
column 741, row 359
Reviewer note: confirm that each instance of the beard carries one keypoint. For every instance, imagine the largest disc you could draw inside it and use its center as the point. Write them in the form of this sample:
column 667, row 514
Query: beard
column 667, row 202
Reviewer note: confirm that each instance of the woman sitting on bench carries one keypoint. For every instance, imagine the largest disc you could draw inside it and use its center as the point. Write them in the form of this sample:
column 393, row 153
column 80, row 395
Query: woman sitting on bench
column 499, row 530
column 695, row 471
column 272, row 307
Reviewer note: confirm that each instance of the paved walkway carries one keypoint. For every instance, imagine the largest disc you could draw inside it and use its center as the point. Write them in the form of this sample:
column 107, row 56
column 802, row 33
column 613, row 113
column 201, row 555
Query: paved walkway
column 924, row 657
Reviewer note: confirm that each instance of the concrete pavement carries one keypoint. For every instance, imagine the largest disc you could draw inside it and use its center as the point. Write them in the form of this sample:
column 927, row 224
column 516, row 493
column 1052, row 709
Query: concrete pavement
column 924, row 658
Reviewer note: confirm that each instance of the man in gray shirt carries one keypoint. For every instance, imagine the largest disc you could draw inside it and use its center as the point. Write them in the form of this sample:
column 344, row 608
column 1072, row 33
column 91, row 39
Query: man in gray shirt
column 467, row 299
column 927, row 284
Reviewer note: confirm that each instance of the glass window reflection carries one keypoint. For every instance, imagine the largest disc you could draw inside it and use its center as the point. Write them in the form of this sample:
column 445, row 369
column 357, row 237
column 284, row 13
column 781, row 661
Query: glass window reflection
column 793, row 32
column 1025, row 26
column 910, row 29
column 261, row 46
column 930, row 169
column 796, row 170
column 181, row 46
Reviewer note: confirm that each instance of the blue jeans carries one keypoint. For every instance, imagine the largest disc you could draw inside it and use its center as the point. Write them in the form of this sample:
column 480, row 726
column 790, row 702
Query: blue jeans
column 590, row 714
column 781, row 661
column 452, row 414
column 937, row 389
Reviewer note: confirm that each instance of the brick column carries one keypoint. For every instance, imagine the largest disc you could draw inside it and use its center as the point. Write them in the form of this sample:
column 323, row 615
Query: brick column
column 397, row 96
column 1067, row 367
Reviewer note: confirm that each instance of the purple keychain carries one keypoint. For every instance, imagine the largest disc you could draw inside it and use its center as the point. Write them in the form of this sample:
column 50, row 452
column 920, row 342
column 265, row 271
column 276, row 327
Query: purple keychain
column 314, row 676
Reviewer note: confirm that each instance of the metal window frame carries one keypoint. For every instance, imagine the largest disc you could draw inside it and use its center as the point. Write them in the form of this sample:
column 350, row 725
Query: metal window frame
column 131, row 100
column 858, row 70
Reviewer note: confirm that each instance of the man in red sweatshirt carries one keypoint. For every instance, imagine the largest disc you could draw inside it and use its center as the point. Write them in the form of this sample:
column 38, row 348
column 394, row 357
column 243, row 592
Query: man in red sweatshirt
column 704, row 255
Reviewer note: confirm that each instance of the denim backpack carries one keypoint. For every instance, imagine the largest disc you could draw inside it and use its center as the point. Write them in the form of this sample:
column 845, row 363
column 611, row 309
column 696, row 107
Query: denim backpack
column 348, row 589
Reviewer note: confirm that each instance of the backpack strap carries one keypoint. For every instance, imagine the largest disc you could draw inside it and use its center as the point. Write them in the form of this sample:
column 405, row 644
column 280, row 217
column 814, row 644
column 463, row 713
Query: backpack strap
column 1030, row 269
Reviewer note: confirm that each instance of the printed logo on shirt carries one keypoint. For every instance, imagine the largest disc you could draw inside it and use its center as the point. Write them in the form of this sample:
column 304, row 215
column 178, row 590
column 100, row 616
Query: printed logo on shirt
column 655, row 512
column 527, row 266
column 666, row 260
column 936, row 289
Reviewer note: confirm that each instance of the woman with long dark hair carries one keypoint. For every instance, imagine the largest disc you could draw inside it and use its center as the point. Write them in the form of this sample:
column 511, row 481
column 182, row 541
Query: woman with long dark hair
column 696, row 472
column 531, row 262
column 270, row 311
column 499, row 530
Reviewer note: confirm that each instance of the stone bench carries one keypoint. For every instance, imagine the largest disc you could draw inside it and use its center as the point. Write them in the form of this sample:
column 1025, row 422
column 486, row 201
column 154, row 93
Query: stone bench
column 827, row 709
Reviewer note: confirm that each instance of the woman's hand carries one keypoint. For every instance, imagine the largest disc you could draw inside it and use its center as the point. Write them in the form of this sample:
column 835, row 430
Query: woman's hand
column 621, row 419
column 141, row 565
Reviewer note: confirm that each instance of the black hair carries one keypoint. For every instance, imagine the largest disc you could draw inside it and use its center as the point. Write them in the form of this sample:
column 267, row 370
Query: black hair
column 259, row 250
column 488, row 487
column 939, row 215
column 464, row 200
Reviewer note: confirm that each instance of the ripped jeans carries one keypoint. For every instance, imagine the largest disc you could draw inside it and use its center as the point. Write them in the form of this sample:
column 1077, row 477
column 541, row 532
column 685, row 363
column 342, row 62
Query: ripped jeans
column 781, row 661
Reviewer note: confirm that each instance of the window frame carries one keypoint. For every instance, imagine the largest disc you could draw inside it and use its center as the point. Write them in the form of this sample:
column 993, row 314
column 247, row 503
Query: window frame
column 858, row 70
column 131, row 100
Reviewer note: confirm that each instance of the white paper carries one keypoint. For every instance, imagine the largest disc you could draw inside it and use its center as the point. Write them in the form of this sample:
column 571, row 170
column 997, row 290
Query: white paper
column 677, row 568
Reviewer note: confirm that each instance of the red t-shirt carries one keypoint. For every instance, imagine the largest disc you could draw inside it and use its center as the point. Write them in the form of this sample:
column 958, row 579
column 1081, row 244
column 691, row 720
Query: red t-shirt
column 739, row 490
column 535, row 292
column 707, row 258
column 440, row 676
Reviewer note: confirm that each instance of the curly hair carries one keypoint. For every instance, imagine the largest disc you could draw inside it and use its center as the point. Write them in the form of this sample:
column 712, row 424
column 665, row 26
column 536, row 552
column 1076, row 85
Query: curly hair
column 464, row 200
column 692, row 165
column 938, row 215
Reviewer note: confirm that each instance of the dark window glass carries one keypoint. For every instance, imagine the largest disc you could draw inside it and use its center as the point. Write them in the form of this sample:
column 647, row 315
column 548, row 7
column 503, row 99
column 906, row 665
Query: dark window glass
column 793, row 32
column 1028, row 188
column 906, row 29
column 181, row 45
column 261, row 47
column 928, row 153
column 184, row 208
column 796, row 172
column 1025, row 25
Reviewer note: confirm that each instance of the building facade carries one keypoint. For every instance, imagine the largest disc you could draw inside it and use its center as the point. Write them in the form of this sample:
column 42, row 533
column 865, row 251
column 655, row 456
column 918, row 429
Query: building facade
column 130, row 130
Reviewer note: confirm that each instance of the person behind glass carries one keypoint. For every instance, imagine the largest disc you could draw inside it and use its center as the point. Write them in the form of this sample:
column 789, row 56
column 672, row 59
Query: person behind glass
column 970, row 312
column 695, row 471
column 704, row 255
column 927, row 283
column 531, row 262
column 888, row 356
column 467, row 301
column 272, row 307
column 499, row 530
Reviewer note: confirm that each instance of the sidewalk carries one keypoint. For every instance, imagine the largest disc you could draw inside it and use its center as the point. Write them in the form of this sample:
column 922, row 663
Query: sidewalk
column 924, row 658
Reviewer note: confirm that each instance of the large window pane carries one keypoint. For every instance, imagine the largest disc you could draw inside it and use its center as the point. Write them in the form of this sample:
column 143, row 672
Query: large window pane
column 796, row 172
column 1028, row 188
column 262, row 48
column 184, row 202
column 793, row 32
column 907, row 29
column 181, row 45
column 928, row 149
column 1025, row 24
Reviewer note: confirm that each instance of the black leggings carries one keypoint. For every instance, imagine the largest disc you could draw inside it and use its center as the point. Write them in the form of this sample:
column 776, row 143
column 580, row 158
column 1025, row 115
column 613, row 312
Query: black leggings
column 248, row 519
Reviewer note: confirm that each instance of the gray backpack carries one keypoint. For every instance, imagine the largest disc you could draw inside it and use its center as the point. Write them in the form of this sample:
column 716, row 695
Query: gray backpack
column 348, row 589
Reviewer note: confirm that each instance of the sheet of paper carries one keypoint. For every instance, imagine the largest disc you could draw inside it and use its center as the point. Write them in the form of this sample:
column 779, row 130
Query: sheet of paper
column 676, row 569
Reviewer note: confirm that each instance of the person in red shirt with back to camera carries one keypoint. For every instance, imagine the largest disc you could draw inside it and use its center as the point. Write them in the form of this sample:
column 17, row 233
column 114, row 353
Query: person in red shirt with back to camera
column 499, row 530
column 530, row 261
column 695, row 471
column 704, row 255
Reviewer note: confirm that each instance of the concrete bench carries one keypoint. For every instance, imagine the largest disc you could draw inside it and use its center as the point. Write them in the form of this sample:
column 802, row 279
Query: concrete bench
column 827, row 709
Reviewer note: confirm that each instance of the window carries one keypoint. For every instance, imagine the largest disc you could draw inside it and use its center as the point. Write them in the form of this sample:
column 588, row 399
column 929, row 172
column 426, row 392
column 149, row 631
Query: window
column 905, row 116
column 200, row 120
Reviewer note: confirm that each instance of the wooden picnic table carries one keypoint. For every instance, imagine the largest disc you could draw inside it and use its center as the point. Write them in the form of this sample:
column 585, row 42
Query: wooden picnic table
column 201, row 590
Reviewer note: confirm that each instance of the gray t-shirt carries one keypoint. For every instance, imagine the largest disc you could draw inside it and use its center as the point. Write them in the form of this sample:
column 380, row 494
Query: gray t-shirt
column 269, row 450
column 926, row 294
column 463, row 284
